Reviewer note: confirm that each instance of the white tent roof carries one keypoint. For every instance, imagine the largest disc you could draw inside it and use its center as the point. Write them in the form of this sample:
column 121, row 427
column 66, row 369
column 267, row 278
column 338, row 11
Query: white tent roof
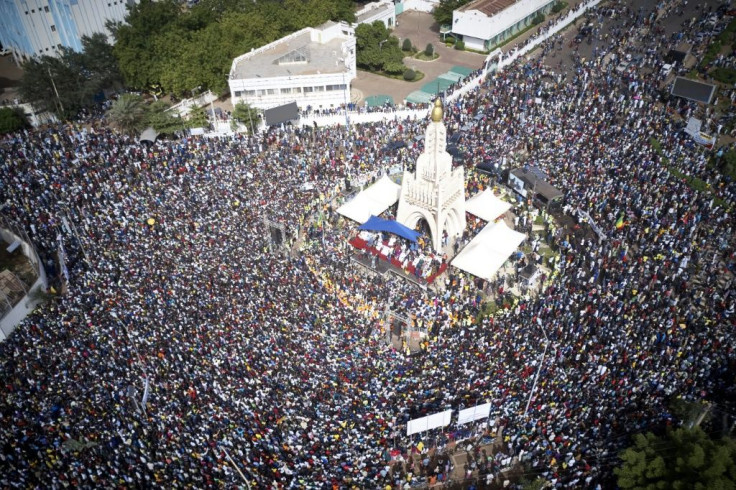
column 148, row 134
column 487, row 252
column 372, row 201
column 486, row 206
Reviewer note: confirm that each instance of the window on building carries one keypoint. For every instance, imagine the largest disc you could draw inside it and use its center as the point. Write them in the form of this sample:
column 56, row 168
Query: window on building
column 58, row 46
column 53, row 28
column 286, row 90
column 297, row 56
column 319, row 89
column 249, row 93
column 238, row 93
column 33, row 11
column 308, row 89
column 271, row 91
column 46, row 8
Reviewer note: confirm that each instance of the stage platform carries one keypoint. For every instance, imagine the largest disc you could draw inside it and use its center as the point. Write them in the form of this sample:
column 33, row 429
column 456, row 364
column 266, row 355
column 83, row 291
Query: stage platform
column 364, row 255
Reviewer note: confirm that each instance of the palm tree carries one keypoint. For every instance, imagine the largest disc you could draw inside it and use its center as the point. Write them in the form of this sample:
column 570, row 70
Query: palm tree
column 128, row 113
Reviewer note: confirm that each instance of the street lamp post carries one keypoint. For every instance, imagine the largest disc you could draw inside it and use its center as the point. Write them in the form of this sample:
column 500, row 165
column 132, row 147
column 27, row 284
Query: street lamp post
column 345, row 94
column 536, row 376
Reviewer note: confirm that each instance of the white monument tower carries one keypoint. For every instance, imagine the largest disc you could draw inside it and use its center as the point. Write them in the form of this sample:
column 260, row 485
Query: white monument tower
column 434, row 192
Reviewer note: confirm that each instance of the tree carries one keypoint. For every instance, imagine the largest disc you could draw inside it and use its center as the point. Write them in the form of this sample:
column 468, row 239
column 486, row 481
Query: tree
column 55, row 84
column 246, row 115
column 537, row 484
column 197, row 118
column 406, row 45
column 429, row 50
column 180, row 49
column 12, row 119
column 538, row 19
column 69, row 82
column 394, row 68
column 728, row 164
column 162, row 121
column 99, row 59
column 135, row 44
column 128, row 113
column 682, row 459
column 376, row 47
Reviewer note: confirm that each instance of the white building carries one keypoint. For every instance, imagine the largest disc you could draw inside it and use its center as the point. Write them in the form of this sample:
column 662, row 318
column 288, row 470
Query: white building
column 484, row 24
column 41, row 27
column 383, row 10
column 312, row 67
column 419, row 5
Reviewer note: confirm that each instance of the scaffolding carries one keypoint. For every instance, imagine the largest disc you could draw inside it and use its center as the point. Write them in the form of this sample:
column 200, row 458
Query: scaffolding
column 401, row 330
column 275, row 235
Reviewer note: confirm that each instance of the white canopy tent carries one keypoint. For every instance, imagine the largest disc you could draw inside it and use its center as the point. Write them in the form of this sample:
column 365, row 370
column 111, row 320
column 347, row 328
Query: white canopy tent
column 487, row 252
column 486, row 206
column 372, row 201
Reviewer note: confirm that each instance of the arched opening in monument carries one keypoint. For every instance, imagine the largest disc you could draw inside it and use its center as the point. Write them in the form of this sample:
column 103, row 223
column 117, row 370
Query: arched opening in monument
column 418, row 221
column 423, row 227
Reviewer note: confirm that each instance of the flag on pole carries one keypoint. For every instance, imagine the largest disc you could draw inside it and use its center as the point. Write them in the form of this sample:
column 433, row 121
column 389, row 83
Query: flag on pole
column 620, row 222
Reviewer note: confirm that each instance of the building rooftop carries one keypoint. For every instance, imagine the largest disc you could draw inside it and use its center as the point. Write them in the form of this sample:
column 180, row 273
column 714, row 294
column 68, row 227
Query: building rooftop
column 372, row 9
column 488, row 7
column 292, row 56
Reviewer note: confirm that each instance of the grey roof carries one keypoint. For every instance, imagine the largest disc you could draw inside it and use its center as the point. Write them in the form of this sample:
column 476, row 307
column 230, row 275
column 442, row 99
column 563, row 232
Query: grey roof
column 693, row 90
column 538, row 183
column 293, row 57
column 488, row 7
column 373, row 10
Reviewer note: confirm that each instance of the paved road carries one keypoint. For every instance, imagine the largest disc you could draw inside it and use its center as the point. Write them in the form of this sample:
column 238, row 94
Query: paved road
column 421, row 29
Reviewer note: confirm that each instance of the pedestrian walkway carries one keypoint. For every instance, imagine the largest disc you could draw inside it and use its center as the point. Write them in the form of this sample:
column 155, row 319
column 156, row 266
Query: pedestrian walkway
column 445, row 81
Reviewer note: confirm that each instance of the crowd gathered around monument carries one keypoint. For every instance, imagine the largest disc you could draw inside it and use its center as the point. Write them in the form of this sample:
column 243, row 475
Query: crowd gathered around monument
column 187, row 350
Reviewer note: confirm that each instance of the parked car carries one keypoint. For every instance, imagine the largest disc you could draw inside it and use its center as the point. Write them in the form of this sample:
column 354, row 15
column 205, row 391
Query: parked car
column 5, row 52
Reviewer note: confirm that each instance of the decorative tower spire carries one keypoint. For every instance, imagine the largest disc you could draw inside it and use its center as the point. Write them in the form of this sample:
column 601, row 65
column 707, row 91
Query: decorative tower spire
column 435, row 192
column 437, row 111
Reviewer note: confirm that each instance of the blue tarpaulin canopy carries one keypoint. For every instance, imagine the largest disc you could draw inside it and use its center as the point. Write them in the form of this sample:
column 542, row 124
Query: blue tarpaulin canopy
column 375, row 223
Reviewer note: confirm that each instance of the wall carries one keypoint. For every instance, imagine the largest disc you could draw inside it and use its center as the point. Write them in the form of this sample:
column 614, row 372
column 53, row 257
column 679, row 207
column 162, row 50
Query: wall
column 324, row 99
column 25, row 305
column 420, row 5
column 474, row 43
column 383, row 10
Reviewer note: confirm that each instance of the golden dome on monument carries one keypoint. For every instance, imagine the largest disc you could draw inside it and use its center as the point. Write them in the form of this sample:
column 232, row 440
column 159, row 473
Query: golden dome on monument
column 437, row 111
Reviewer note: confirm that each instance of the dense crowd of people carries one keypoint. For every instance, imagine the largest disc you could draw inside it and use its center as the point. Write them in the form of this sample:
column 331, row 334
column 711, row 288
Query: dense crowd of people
column 188, row 351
